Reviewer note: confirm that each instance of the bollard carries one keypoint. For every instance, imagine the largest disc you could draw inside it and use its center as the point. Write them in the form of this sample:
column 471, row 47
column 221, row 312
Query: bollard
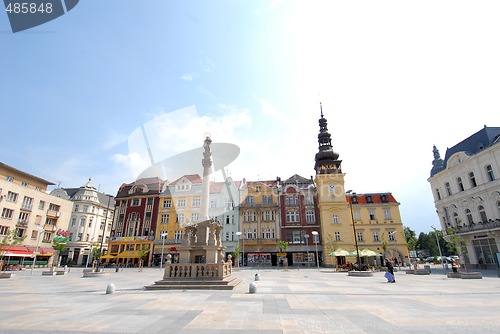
column 110, row 289
column 257, row 277
column 252, row 288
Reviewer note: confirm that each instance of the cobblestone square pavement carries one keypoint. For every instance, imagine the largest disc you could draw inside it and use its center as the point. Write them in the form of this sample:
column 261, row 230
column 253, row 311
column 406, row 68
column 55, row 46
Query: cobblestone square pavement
column 293, row 301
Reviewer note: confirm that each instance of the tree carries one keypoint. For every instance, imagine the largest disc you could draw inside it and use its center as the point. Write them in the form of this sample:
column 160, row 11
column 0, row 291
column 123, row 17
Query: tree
column 458, row 244
column 10, row 239
column 411, row 239
column 236, row 254
column 282, row 246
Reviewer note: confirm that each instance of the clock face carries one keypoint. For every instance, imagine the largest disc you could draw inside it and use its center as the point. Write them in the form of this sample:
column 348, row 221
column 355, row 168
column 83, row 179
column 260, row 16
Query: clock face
column 332, row 187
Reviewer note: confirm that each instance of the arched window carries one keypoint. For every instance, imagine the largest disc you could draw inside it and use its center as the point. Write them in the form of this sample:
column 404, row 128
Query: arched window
column 460, row 184
column 489, row 172
column 448, row 188
column 482, row 214
column 472, row 180
column 468, row 214
column 455, row 218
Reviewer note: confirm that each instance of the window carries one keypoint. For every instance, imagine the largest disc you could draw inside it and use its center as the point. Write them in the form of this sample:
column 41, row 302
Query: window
column 7, row 213
column 392, row 235
column 181, row 203
column 136, row 201
column 213, row 204
column 357, row 215
column 292, row 217
column 460, row 184
column 263, row 234
column 85, row 208
column 337, row 236
column 167, row 203
column 165, row 219
column 180, row 218
column 24, row 217
column 448, row 189
column 387, row 214
column 249, row 233
column 195, row 217
column 383, row 198
column 178, row 235
column 292, row 200
column 310, row 216
column 9, row 178
column 472, row 180
column 438, row 194
column 73, row 221
column 482, row 214
column 296, row 237
column 489, row 172
column 360, row 236
column 150, row 201
column 268, row 233
column 255, row 233
column 80, row 236
column 376, row 236
column 249, row 200
column 27, row 203
column 455, row 218
column 371, row 212
column 468, row 214
column 309, row 200
column 196, row 201
column 257, row 188
column 12, row 197
column 335, row 218
column 82, row 221
column 369, row 199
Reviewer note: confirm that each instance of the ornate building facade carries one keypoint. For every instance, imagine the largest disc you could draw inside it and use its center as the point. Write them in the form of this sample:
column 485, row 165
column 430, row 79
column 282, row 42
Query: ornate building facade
column 466, row 190
column 90, row 223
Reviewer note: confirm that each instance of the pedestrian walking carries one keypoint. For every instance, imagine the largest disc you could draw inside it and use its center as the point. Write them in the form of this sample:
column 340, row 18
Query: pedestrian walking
column 390, row 270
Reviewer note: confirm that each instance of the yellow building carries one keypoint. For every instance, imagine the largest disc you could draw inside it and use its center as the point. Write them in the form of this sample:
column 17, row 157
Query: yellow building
column 377, row 221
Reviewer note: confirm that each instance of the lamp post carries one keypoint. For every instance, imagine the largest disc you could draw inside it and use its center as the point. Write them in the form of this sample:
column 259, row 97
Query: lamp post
column 163, row 236
column 349, row 192
column 439, row 246
column 40, row 231
column 315, row 239
column 306, row 238
column 103, row 233
column 238, row 234
column 90, row 251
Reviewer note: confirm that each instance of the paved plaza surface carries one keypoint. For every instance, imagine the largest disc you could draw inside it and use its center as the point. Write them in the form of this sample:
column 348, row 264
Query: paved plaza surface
column 293, row 301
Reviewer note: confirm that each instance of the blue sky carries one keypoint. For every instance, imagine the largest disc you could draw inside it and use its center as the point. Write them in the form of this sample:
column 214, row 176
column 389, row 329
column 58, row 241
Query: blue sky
column 394, row 79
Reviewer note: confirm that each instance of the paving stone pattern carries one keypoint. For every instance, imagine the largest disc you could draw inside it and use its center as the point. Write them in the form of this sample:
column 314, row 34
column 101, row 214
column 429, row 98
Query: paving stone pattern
column 293, row 301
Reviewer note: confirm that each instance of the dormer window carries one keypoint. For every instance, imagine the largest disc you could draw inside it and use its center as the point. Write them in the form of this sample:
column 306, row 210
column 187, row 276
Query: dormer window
column 355, row 199
column 369, row 199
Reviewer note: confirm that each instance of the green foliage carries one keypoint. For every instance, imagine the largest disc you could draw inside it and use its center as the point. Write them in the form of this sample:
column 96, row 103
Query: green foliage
column 144, row 252
column 329, row 244
column 282, row 245
column 411, row 239
column 236, row 253
column 10, row 239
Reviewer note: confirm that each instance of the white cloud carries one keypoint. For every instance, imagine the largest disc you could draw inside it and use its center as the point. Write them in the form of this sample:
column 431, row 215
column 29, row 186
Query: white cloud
column 187, row 77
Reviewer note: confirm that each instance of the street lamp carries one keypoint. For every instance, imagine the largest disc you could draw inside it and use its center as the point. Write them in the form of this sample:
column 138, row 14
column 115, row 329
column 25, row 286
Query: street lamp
column 40, row 231
column 238, row 234
column 439, row 246
column 349, row 192
column 306, row 237
column 90, row 251
column 315, row 238
column 163, row 236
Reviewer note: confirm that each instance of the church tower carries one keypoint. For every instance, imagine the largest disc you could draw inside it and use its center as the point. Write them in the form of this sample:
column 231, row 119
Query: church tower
column 335, row 216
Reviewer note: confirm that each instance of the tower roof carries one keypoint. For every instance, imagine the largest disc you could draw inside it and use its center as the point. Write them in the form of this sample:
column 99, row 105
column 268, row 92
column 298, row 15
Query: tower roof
column 326, row 158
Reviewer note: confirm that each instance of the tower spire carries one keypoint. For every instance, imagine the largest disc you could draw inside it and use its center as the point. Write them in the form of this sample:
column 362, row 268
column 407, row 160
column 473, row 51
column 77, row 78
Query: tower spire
column 326, row 159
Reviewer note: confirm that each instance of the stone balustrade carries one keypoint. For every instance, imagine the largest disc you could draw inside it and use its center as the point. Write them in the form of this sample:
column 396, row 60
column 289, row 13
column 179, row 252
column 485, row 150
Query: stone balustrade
column 197, row 270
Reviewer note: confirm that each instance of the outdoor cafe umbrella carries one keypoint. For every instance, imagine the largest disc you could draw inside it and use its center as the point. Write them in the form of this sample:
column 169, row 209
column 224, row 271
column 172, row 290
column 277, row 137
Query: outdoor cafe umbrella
column 368, row 252
column 340, row 252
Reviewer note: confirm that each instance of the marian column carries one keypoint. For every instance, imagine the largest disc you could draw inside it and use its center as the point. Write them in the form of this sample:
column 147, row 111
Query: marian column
column 207, row 170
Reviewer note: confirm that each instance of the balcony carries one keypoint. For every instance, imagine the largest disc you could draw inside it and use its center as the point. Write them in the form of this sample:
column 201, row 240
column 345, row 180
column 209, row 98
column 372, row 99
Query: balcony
column 27, row 207
column 491, row 224
column 22, row 223
column 50, row 228
column 53, row 214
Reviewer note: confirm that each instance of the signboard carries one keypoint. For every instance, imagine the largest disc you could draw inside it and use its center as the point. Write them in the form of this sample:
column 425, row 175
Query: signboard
column 413, row 253
column 281, row 254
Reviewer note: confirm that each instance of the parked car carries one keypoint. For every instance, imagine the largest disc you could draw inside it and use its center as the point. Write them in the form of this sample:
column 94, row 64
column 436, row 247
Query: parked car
column 430, row 259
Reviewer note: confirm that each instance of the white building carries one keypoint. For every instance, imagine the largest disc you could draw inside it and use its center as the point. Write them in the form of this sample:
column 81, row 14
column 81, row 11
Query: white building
column 466, row 189
column 90, row 222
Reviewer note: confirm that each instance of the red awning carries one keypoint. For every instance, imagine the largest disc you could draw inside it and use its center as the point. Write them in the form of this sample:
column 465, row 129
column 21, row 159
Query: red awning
column 15, row 251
